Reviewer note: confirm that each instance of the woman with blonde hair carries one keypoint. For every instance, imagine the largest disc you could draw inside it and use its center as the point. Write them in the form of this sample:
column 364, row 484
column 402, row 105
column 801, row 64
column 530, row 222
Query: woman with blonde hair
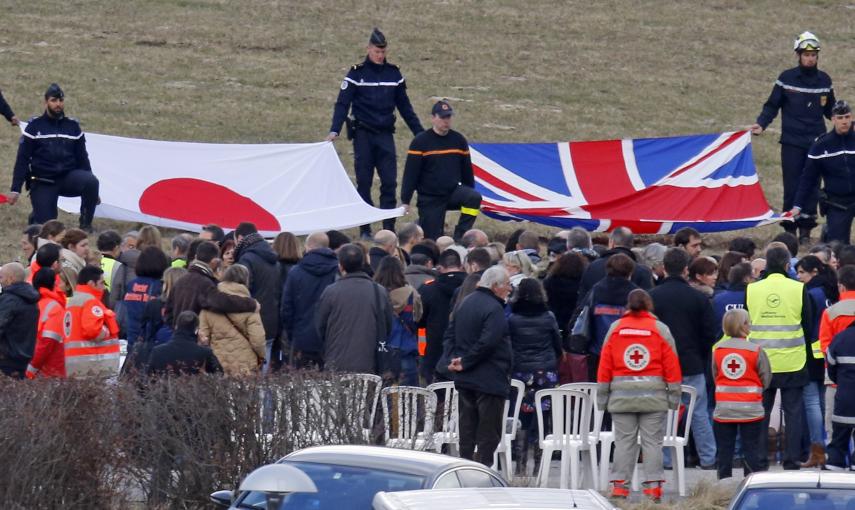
column 741, row 372
column 237, row 338
column 518, row 265
column 149, row 236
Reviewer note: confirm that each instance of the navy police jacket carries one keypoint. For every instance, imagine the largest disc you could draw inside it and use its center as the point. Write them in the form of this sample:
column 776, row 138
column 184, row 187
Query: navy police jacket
column 49, row 149
column 804, row 97
column 841, row 369
column 831, row 157
column 374, row 91
column 725, row 300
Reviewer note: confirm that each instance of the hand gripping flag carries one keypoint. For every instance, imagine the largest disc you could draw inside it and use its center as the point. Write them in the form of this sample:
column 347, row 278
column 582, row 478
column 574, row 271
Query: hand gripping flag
column 651, row 185
column 300, row 188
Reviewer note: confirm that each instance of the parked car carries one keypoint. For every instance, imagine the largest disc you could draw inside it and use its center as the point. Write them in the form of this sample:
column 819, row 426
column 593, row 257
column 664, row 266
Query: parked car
column 796, row 490
column 492, row 498
column 348, row 477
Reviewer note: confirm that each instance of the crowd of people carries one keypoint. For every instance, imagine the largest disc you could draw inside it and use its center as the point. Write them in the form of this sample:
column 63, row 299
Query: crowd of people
column 640, row 320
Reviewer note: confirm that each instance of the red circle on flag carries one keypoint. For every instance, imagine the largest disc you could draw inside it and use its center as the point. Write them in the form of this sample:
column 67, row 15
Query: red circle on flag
column 202, row 202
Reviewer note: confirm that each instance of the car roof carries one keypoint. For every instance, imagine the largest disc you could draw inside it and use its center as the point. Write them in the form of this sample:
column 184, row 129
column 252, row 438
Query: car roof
column 381, row 458
column 800, row 479
column 484, row 499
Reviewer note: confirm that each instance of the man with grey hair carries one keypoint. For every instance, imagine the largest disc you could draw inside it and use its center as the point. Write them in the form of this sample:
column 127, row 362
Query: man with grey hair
column 19, row 315
column 180, row 247
column 620, row 241
column 478, row 344
column 652, row 256
column 579, row 240
column 385, row 244
column 474, row 238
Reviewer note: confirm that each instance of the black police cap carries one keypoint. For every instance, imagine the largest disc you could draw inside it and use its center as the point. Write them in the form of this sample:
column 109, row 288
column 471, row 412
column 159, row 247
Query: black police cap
column 377, row 38
column 54, row 90
column 841, row 107
column 442, row 108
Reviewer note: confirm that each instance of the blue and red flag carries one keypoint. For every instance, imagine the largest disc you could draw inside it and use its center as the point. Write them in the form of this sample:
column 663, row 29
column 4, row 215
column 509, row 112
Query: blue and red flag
column 651, row 185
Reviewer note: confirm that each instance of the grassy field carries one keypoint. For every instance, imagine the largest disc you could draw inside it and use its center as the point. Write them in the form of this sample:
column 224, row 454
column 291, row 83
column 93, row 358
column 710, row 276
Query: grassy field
column 260, row 71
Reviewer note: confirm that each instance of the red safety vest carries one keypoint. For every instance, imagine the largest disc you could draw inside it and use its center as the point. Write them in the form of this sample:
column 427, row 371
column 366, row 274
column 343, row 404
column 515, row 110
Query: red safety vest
column 49, row 356
column 92, row 346
column 738, row 386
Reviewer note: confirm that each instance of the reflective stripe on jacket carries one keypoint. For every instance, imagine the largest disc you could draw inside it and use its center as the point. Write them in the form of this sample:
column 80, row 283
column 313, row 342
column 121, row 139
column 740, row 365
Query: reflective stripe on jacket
column 49, row 356
column 741, row 372
column 775, row 307
column 92, row 346
column 639, row 370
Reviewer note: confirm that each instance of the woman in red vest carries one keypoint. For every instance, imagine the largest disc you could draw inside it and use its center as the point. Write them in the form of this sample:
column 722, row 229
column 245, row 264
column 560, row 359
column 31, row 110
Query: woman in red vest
column 638, row 381
column 741, row 372
column 49, row 356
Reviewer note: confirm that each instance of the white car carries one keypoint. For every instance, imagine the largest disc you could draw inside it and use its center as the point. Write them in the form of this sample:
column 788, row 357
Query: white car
column 487, row 499
column 796, row 490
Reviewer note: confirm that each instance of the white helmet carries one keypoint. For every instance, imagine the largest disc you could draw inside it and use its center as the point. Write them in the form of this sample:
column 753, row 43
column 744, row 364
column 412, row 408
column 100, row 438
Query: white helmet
column 806, row 41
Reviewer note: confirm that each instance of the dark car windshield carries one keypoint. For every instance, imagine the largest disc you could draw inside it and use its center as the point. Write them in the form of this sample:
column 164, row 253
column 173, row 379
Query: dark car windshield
column 797, row 499
column 339, row 488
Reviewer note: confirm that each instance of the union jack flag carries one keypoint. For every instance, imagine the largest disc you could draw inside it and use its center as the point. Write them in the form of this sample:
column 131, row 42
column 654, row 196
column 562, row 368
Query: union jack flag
column 651, row 185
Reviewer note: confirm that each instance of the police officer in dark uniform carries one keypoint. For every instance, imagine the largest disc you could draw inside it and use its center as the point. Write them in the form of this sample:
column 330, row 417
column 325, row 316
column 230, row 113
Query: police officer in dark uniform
column 440, row 169
column 831, row 157
column 804, row 95
column 374, row 88
column 52, row 162
column 6, row 111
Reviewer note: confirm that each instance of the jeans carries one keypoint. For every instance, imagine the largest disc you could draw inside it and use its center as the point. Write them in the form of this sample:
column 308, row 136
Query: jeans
column 725, row 436
column 481, row 423
column 702, row 429
column 813, row 395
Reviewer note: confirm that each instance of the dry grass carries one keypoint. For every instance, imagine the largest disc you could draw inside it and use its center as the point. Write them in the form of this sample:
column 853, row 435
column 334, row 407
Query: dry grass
column 268, row 70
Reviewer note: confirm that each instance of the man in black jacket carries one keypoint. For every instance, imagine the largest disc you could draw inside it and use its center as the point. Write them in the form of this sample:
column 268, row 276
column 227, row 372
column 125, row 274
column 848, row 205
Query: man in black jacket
column 620, row 241
column 256, row 254
column 436, row 304
column 182, row 354
column 19, row 315
column 804, row 96
column 480, row 348
column 690, row 317
column 316, row 271
column 830, row 157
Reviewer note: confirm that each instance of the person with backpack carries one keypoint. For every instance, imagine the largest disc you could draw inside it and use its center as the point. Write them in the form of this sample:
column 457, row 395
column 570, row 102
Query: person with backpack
column 407, row 307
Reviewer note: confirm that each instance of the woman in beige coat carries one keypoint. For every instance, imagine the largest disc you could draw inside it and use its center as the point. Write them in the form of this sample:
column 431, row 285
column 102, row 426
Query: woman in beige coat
column 237, row 338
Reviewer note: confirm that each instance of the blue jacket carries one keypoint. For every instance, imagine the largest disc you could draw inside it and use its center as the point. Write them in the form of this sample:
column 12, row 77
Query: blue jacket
column 374, row 91
column 50, row 148
column 140, row 291
column 841, row 370
column 5, row 109
column 263, row 265
column 316, row 271
column 831, row 157
column 725, row 300
column 804, row 97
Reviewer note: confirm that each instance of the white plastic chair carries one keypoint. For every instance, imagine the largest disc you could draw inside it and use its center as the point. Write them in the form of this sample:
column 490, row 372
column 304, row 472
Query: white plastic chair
column 413, row 409
column 502, row 455
column 446, row 427
column 673, row 440
column 364, row 390
column 590, row 389
column 571, row 421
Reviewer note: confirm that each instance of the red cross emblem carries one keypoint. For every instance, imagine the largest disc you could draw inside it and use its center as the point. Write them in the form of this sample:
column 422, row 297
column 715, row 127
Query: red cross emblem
column 733, row 366
column 636, row 357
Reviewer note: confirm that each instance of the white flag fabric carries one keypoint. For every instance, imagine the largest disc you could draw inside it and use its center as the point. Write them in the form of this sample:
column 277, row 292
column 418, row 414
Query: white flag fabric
column 299, row 188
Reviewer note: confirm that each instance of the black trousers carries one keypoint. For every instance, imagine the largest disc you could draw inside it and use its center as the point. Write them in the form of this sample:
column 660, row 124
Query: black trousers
column 791, row 402
column 792, row 164
column 838, row 448
column 77, row 183
column 839, row 224
column 725, row 438
column 370, row 151
column 481, row 422
column 432, row 211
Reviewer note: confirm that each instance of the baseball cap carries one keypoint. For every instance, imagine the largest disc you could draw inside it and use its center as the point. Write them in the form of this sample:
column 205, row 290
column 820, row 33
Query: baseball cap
column 442, row 108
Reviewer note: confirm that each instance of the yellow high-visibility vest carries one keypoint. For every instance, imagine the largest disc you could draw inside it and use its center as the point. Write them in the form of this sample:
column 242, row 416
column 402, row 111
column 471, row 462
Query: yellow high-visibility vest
column 775, row 307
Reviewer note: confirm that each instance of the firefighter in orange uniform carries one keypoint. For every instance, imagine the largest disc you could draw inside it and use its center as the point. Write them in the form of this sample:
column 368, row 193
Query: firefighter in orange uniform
column 741, row 372
column 92, row 345
column 49, row 356
column 638, row 381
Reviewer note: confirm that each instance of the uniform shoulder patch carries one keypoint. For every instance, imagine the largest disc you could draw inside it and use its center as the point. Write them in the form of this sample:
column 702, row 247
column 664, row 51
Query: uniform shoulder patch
column 357, row 66
column 97, row 311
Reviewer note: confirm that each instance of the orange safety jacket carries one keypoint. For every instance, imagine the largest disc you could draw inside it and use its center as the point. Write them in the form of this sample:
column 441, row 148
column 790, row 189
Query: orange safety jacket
column 49, row 356
column 92, row 346
column 639, row 369
column 738, row 368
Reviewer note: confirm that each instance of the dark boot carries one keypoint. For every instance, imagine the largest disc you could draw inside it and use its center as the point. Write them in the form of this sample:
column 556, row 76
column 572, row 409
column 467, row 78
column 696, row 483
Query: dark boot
column 804, row 236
